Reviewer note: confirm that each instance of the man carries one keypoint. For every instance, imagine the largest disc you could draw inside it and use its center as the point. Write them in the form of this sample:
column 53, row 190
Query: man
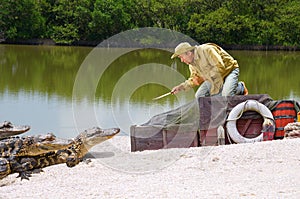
column 212, row 68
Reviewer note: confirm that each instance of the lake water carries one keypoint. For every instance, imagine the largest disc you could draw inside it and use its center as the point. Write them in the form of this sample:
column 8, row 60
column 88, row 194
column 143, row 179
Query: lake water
column 65, row 90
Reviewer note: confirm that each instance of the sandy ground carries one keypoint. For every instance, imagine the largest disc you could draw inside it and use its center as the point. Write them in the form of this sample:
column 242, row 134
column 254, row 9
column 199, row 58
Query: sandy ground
column 260, row 170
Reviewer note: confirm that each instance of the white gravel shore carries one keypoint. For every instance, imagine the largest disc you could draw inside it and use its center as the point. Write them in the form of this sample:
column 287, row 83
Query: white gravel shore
column 260, row 170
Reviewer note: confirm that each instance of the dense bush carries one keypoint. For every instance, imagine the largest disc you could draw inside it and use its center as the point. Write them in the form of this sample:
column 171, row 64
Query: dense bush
column 258, row 22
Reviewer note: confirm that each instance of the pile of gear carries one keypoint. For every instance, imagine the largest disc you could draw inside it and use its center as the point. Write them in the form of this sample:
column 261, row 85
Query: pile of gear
column 292, row 130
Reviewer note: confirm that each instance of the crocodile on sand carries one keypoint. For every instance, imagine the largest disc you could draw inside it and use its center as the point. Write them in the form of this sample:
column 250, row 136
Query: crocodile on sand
column 71, row 154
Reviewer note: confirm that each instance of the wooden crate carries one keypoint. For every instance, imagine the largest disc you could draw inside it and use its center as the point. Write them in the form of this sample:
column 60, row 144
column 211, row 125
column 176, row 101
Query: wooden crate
column 214, row 111
column 208, row 137
column 247, row 127
column 153, row 138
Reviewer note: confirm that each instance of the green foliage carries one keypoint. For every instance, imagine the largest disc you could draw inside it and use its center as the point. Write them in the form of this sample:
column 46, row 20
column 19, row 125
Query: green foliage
column 109, row 17
column 267, row 22
column 249, row 22
column 20, row 19
column 214, row 25
column 67, row 19
column 288, row 22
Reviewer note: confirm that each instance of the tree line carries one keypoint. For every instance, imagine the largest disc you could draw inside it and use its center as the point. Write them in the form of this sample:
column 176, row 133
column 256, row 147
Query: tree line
column 246, row 22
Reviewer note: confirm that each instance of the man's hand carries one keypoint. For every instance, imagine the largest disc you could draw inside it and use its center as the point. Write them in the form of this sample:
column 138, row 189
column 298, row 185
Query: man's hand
column 176, row 89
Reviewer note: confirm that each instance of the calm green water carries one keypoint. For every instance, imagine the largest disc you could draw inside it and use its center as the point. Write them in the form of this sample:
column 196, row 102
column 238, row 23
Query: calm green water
column 68, row 89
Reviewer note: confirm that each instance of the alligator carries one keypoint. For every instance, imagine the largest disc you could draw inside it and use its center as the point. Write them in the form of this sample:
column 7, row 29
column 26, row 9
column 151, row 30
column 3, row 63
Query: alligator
column 31, row 145
column 26, row 165
column 7, row 129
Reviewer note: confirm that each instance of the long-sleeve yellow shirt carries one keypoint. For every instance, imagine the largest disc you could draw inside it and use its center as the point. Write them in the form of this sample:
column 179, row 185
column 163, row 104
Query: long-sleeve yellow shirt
column 211, row 63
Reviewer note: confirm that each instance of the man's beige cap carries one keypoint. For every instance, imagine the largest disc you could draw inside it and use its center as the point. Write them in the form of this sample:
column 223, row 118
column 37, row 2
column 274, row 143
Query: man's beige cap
column 182, row 48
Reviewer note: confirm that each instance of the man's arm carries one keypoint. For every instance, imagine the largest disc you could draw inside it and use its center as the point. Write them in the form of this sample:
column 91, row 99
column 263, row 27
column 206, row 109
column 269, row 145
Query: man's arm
column 194, row 80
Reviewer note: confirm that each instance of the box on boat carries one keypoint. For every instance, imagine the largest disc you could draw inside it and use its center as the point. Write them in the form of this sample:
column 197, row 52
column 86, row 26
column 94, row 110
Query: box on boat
column 195, row 124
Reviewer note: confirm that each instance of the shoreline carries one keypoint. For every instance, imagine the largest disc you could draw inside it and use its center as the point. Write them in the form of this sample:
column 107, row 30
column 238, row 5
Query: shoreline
column 49, row 42
column 255, row 170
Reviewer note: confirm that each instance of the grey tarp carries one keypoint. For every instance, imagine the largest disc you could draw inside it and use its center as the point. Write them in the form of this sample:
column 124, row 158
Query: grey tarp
column 208, row 112
column 187, row 114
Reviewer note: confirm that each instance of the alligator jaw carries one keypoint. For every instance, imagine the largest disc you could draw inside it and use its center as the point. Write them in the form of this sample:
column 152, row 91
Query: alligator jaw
column 96, row 135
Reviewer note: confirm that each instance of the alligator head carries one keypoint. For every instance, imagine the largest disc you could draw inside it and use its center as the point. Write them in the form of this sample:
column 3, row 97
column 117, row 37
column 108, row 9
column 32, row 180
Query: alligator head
column 89, row 138
column 7, row 129
column 96, row 135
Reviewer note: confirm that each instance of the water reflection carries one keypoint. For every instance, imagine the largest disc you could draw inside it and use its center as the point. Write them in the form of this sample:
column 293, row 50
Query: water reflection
column 275, row 73
column 37, row 85
column 47, row 70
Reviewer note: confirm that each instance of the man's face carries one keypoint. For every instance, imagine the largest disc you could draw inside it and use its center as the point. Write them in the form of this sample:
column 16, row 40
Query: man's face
column 186, row 57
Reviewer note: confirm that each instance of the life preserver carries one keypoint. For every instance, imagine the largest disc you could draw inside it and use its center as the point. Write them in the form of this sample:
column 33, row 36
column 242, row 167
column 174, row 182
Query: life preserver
column 236, row 113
